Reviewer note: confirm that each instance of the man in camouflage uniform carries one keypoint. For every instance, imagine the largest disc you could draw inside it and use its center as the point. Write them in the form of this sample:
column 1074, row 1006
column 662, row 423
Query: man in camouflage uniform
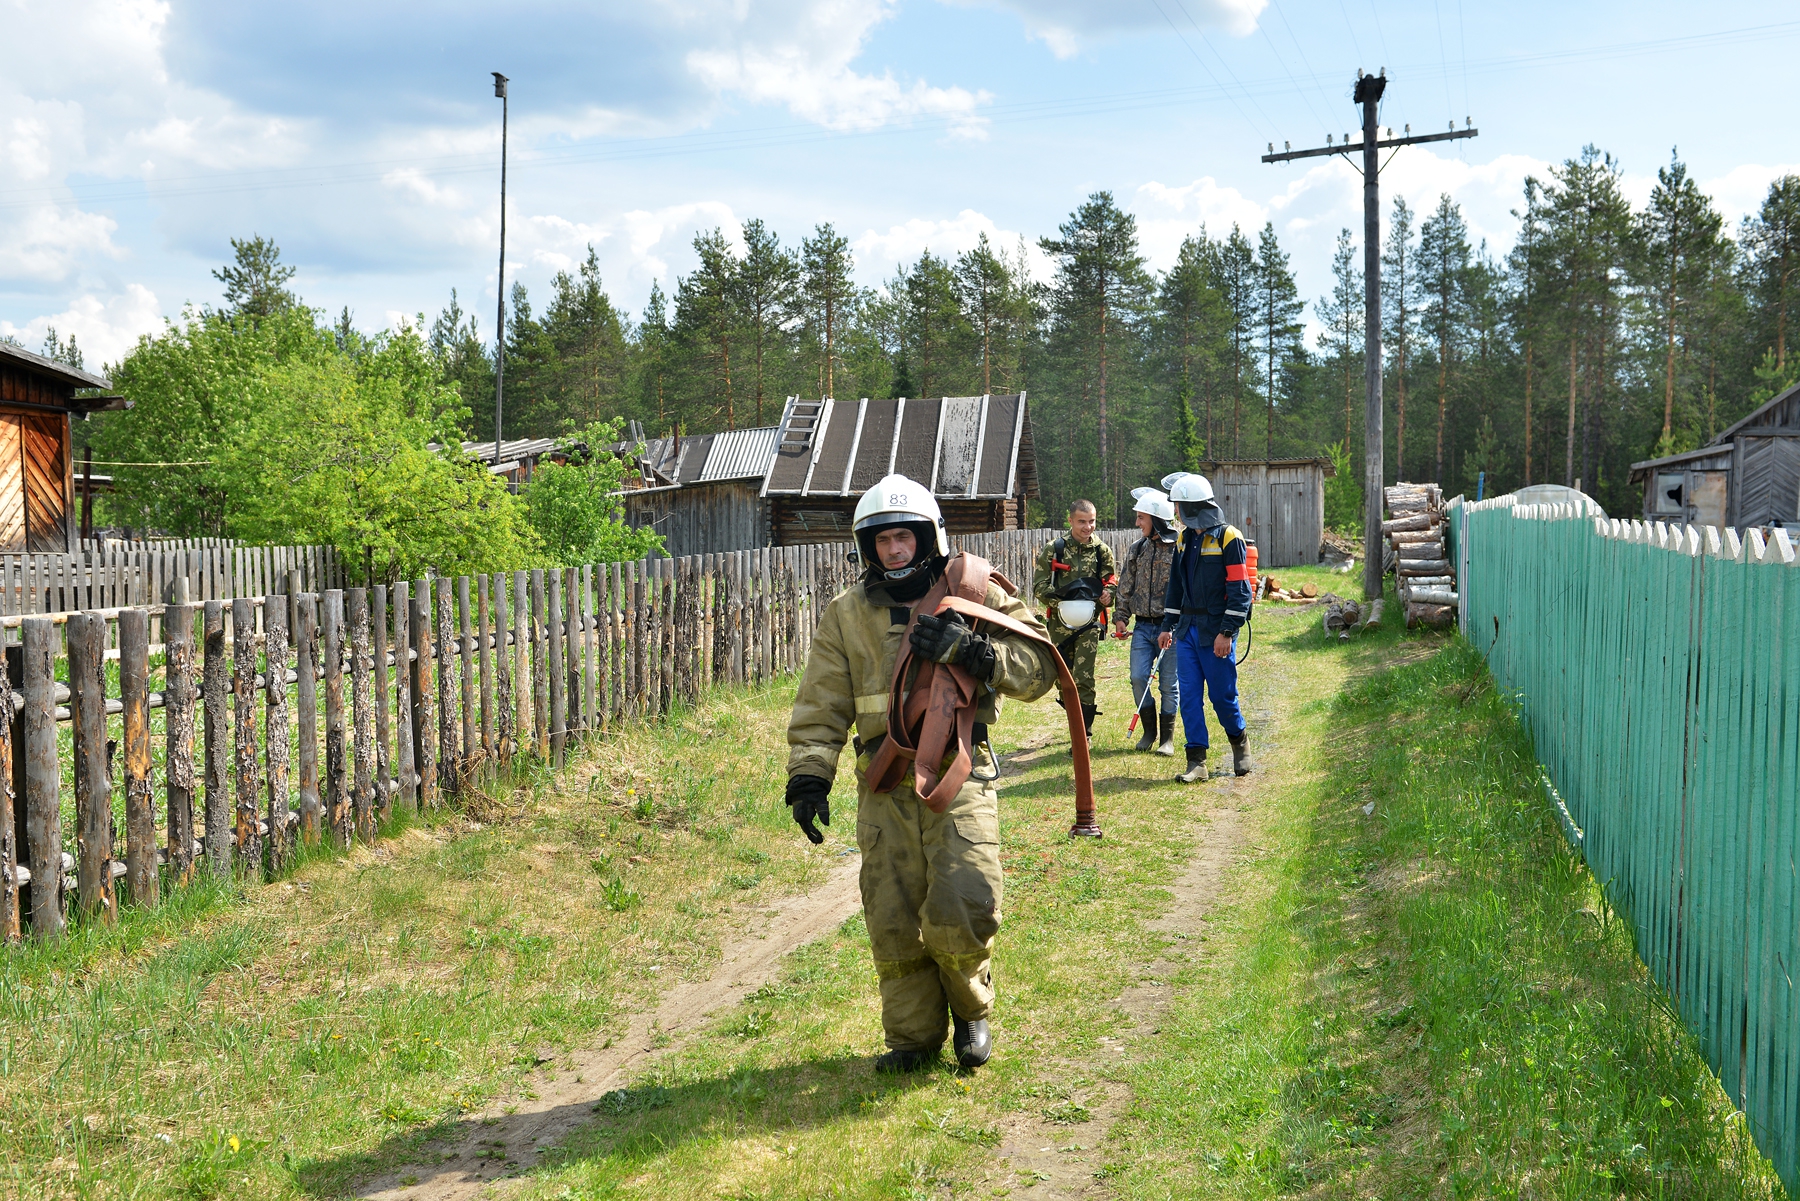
column 1077, row 567
column 1143, row 585
column 931, row 882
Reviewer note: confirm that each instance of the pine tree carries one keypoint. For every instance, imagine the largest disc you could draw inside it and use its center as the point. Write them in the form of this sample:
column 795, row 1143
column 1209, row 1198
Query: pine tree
column 1772, row 246
column 1191, row 324
column 828, row 296
column 1099, row 299
column 935, row 336
column 1278, row 311
column 1398, row 302
column 1237, row 276
column 1443, row 267
column 994, row 304
column 585, row 377
column 464, row 361
column 1341, row 312
column 706, row 321
column 254, row 279
column 1679, row 248
column 768, row 282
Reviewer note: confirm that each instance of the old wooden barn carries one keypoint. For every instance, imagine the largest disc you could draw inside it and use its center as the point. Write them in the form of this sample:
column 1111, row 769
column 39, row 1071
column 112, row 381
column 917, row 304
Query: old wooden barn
column 712, row 500
column 37, row 486
column 1277, row 503
column 974, row 452
column 1747, row 476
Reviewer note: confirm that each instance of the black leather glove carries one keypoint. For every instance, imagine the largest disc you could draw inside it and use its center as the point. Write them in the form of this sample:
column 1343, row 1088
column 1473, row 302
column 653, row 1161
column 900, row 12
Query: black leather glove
column 808, row 797
column 949, row 639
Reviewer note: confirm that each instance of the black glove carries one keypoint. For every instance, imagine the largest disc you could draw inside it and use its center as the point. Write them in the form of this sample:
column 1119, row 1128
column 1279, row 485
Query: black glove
column 949, row 639
column 809, row 797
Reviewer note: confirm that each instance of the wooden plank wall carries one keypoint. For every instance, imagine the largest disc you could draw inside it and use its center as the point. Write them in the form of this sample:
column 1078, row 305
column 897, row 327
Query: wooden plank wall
column 469, row 689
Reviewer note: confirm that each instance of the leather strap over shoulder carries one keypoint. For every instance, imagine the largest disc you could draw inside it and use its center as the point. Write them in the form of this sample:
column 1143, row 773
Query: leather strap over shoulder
column 931, row 715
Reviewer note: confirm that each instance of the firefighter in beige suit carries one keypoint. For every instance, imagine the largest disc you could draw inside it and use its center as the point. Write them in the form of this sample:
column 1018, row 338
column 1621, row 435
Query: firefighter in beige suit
column 930, row 882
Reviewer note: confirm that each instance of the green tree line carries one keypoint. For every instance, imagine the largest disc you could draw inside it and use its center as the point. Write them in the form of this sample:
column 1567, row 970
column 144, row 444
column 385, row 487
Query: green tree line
column 1608, row 333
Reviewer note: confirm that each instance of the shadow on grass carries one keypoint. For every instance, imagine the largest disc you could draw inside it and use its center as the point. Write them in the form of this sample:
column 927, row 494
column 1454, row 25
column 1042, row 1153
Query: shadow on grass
column 626, row 1127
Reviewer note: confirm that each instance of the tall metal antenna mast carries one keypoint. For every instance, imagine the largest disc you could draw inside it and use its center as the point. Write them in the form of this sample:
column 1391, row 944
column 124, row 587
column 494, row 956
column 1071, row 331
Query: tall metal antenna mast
column 500, row 82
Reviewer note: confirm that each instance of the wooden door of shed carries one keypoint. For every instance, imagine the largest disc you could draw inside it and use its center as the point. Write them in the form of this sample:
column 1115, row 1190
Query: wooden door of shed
column 34, row 503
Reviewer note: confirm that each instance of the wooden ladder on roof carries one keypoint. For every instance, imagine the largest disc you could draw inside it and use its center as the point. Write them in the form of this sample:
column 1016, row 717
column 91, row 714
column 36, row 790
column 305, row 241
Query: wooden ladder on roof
column 799, row 424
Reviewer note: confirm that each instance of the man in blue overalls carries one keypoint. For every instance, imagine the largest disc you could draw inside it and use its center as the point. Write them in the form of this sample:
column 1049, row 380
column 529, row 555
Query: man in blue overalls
column 1208, row 600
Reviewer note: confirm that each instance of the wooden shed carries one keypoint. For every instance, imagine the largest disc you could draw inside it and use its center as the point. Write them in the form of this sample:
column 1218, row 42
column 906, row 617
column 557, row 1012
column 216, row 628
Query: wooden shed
column 37, row 492
column 1747, row 476
column 1278, row 503
column 712, row 500
column 974, row 452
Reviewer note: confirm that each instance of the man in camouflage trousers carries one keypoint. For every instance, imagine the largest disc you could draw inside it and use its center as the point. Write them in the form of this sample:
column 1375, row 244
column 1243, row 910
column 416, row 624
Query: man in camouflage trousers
column 1075, row 577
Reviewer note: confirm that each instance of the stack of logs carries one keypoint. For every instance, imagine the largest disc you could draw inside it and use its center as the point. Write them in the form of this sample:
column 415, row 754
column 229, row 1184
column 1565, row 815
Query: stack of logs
column 1424, row 578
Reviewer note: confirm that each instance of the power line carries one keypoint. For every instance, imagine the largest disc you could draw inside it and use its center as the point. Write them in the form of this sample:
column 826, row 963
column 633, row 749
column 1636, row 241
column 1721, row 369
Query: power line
column 1354, row 44
column 1232, row 75
column 1305, row 99
column 1437, row 11
column 1379, row 35
column 1203, row 66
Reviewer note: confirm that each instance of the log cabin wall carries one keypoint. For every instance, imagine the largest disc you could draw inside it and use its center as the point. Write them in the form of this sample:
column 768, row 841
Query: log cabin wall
column 36, row 469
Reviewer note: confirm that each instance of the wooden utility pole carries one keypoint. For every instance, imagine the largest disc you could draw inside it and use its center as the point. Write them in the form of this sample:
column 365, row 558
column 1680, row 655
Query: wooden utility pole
column 1368, row 94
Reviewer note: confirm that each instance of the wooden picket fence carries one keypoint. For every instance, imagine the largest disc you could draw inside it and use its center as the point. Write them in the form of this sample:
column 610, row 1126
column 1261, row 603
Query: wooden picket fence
column 111, row 574
column 449, row 682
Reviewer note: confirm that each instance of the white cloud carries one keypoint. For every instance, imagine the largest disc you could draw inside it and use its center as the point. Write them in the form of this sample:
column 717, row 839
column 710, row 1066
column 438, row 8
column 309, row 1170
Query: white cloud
column 104, row 327
column 1739, row 193
column 48, row 244
column 804, row 64
column 1066, row 26
column 879, row 254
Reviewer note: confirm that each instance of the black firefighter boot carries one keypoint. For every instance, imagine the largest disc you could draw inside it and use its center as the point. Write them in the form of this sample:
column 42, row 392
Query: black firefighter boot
column 896, row 1062
column 1147, row 715
column 1165, row 735
column 1088, row 713
column 1240, row 754
column 1196, row 768
column 971, row 1041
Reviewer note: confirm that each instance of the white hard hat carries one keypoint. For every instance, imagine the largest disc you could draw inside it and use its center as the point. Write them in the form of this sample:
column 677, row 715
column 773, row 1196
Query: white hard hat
column 897, row 500
column 1155, row 503
column 1188, row 486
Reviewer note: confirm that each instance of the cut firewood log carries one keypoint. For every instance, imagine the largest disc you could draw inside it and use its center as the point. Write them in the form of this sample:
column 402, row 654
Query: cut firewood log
column 1309, row 590
column 1429, row 615
column 1424, row 567
column 1432, row 596
column 1374, row 621
column 1414, row 521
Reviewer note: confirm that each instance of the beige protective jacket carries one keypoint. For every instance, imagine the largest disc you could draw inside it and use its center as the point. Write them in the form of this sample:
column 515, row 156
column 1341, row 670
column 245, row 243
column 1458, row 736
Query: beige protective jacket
column 851, row 666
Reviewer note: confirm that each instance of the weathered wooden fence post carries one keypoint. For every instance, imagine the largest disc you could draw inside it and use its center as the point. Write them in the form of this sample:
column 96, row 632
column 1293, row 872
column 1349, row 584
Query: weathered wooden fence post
column 384, row 740
column 451, row 762
column 275, row 718
column 338, row 817
column 140, row 810
column 216, row 673
column 465, row 657
column 520, row 699
column 12, row 815
column 179, row 698
column 484, row 649
column 362, row 714
column 406, row 760
column 247, row 841
column 43, row 783
column 306, row 704
column 93, row 787
column 423, row 717
column 556, row 669
column 574, row 723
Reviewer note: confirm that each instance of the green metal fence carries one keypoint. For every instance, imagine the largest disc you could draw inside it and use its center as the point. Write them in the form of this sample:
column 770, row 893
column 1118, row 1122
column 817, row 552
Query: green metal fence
column 1658, row 669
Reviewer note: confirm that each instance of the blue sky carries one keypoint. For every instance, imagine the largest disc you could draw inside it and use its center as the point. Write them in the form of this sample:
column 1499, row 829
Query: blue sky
column 138, row 136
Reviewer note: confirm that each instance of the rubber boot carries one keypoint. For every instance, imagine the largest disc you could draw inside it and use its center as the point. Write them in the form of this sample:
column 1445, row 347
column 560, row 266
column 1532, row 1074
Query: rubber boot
column 1240, row 754
column 1165, row 744
column 896, row 1062
column 1147, row 716
column 971, row 1041
column 1196, row 768
column 1087, row 716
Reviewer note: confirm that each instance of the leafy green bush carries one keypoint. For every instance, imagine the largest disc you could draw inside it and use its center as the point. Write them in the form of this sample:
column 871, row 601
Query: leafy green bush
column 1343, row 493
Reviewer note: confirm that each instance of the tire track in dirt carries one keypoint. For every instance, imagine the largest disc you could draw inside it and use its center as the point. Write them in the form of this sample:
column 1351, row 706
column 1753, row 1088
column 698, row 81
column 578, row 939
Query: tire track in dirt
column 507, row 1138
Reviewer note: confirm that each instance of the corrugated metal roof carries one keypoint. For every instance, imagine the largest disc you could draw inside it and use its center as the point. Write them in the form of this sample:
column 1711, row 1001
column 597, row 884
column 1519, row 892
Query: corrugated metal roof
column 739, row 454
column 963, row 447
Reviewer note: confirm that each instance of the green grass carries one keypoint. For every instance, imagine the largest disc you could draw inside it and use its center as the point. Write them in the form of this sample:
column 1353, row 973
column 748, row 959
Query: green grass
column 1429, row 998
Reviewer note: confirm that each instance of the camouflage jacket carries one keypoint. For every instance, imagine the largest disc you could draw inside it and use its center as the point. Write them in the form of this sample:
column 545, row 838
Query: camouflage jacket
column 1144, row 582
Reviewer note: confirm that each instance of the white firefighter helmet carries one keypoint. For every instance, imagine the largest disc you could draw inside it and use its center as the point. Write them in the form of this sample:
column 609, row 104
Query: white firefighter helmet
column 897, row 500
column 1188, row 486
column 1155, row 503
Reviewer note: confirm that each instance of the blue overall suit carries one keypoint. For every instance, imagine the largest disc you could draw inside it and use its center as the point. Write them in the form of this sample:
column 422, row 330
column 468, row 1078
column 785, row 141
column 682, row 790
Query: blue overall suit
column 1209, row 594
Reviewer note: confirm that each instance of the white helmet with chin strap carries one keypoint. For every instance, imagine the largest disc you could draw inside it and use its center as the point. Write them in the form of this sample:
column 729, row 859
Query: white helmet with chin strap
column 1192, row 495
column 1155, row 503
column 893, row 501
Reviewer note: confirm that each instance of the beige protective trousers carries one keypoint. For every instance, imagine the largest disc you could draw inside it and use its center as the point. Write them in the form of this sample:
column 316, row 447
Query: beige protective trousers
column 931, row 899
